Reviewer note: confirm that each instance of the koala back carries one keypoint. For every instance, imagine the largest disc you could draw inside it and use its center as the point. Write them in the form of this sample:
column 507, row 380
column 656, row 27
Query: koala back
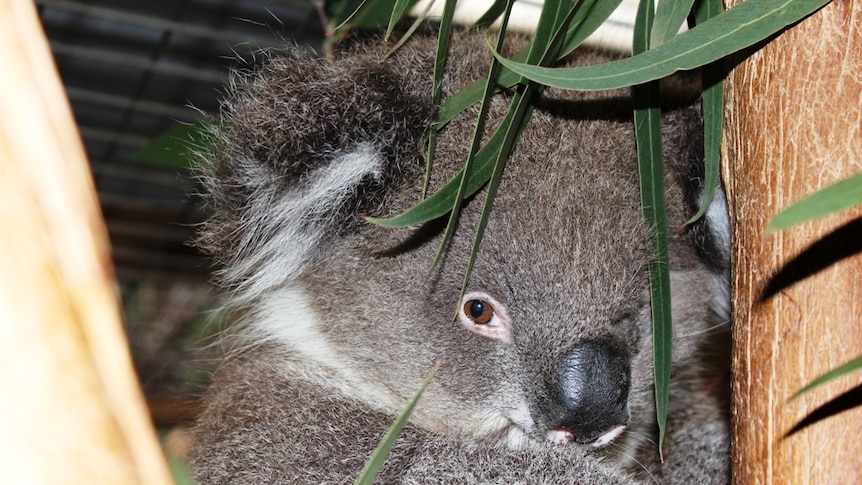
column 545, row 368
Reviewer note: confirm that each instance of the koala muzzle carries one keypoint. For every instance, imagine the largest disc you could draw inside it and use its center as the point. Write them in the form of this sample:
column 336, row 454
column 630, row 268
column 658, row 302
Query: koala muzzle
column 593, row 388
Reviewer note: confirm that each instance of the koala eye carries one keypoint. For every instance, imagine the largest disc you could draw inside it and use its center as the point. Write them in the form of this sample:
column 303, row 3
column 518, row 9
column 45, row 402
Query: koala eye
column 483, row 315
column 479, row 311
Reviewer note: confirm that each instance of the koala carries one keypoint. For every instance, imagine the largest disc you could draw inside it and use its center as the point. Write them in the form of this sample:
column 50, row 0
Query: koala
column 544, row 367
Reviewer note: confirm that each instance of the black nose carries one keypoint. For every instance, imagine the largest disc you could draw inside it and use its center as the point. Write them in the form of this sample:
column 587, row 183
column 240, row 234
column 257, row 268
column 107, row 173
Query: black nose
column 593, row 389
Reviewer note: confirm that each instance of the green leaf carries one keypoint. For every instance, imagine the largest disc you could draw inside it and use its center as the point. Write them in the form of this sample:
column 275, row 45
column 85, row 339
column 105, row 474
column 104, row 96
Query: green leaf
column 443, row 38
column 644, row 22
column 713, row 113
column 369, row 14
column 492, row 14
column 340, row 18
column 442, row 201
column 417, row 22
column 669, row 17
column 439, row 203
column 838, row 196
column 398, row 10
column 172, row 148
column 372, row 466
column 706, row 9
column 830, row 376
column 473, row 93
column 474, row 146
column 179, row 471
column 651, row 171
column 522, row 108
column 731, row 31
column 555, row 17
column 587, row 20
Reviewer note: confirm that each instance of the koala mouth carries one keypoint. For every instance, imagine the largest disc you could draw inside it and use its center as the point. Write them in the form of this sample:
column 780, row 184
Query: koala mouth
column 562, row 436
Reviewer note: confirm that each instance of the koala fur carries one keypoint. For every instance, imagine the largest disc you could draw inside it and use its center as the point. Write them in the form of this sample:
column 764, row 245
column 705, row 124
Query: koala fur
column 545, row 374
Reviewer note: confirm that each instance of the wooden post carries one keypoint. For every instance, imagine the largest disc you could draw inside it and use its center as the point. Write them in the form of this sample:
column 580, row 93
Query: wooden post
column 70, row 408
column 794, row 125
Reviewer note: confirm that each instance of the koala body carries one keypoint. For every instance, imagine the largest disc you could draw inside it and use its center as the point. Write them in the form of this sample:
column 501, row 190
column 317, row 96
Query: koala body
column 545, row 372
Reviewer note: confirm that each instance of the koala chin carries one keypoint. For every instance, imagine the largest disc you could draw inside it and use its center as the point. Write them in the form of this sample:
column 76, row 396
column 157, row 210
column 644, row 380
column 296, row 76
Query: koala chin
column 545, row 365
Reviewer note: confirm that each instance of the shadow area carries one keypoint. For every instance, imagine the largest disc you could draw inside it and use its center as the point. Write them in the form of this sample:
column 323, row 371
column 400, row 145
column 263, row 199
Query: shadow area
column 842, row 243
column 844, row 402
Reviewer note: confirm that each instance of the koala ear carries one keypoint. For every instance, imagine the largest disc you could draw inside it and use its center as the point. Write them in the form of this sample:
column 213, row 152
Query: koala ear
column 302, row 146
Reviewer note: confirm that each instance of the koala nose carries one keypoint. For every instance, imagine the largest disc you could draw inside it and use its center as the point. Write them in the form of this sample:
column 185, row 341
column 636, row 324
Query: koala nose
column 593, row 388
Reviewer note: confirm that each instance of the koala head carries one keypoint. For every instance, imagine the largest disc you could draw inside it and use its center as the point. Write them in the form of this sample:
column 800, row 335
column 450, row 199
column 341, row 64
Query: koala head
column 552, row 340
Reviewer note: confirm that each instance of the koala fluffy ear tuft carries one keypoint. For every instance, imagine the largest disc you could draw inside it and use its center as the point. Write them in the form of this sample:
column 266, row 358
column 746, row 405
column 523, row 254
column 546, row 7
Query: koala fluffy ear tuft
column 302, row 147
column 296, row 113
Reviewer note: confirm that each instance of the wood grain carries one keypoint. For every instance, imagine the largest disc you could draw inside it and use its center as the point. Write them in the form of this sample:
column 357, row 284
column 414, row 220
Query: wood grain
column 71, row 409
column 794, row 125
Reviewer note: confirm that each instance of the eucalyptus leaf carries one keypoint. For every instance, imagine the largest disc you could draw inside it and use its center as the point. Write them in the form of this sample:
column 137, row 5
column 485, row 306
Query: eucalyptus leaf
column 589, row 17
column 706, row 9
column 592, row 15
column 554, row 14
column 440, row 202
column 543, row 50
column 669, row 17
column 852, row 366
column 172, row 148
column 411, row 30
column 339, row 18
column 372, row 466
column 368, row 14
column 522, row 108
column 473, row 93
column 474, row 146
column 838, row 196
column 713, row 113
column 647, row 118
column 444, row 36
column 492, row 14
column 555, row 17
column 398, row 10
column 735, row 29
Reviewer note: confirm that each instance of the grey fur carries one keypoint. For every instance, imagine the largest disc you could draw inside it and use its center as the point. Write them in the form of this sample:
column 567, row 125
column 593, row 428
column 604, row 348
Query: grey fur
column 342, row 320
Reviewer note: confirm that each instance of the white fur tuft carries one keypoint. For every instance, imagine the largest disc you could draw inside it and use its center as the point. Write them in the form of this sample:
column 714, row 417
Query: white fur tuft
column 285, row 228
column 718, row 222
column 286, row 319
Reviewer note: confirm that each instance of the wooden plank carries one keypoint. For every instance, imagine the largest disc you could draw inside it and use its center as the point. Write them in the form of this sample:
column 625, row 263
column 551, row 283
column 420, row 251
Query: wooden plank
column 71, row 408
column 794, row 125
